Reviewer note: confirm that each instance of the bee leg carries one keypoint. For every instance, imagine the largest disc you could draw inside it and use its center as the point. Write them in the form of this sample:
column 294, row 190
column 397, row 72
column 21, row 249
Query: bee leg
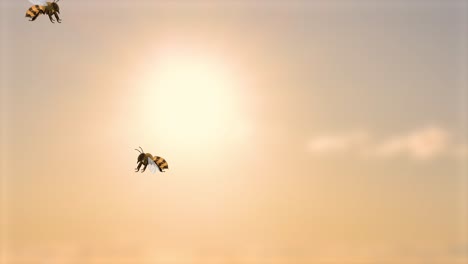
column 144, row 168
column 138, row 168
column 58, row 18
column 51, row 19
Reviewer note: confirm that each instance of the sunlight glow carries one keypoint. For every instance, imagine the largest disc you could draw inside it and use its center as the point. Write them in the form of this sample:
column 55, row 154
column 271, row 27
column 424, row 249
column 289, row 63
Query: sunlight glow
column 193, row 96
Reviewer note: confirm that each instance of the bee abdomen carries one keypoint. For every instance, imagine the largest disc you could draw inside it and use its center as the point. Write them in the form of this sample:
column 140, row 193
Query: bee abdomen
column 34, row 11
column 162, row 163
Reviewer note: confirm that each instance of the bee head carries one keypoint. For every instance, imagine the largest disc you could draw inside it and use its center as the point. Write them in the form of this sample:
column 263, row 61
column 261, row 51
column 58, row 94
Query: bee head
column 142, row 155
column 55, row 7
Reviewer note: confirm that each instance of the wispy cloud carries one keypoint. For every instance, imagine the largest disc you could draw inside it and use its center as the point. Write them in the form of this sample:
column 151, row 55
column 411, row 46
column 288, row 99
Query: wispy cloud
column 422, row 144
column 338, row 143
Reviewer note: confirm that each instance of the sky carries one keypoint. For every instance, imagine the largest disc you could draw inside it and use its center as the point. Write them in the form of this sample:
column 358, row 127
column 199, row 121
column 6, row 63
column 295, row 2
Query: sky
column 295, row 132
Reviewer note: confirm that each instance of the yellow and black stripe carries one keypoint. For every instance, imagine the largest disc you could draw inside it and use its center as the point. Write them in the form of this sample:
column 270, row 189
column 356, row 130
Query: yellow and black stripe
column 34, row 11
column 162, row 163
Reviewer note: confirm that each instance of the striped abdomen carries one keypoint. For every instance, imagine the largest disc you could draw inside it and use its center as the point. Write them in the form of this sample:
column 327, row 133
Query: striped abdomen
column 162, row 163
column 34, row 11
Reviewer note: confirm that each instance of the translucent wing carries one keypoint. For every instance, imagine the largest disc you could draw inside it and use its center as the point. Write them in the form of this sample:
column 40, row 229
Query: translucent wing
column 39, row 2
column 152, row 166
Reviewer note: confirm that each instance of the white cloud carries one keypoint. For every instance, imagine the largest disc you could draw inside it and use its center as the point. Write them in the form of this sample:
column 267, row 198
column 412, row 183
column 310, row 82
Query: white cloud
column 422, row 144
column 339, row 143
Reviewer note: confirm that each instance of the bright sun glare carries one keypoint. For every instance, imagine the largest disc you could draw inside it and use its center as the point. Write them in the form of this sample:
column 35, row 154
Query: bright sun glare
column 194, row 99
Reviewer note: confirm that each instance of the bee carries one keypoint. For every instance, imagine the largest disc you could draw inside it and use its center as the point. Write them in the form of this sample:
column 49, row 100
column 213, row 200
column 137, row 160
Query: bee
column 45, row 8
column 148, row 159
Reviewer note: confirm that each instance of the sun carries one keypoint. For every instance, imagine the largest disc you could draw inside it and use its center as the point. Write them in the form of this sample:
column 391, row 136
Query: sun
column 193, row 97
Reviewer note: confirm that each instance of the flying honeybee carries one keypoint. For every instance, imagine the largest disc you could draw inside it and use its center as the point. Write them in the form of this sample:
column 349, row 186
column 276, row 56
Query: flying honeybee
column 45, row 8
column 148, row 159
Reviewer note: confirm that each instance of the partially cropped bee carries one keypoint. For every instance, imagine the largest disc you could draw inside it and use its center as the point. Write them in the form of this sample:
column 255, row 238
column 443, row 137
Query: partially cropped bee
column 148, row 159
column 45, row 8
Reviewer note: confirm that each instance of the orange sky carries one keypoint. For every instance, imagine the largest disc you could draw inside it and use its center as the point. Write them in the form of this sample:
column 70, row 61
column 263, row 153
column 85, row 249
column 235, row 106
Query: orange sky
column 295, row 132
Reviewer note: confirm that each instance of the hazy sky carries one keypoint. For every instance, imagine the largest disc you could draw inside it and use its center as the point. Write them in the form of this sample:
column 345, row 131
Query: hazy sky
column 295, row 132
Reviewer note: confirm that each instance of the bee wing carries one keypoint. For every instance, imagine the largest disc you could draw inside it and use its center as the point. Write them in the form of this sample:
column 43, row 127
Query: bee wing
column 39, row 2
column 152, row 166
